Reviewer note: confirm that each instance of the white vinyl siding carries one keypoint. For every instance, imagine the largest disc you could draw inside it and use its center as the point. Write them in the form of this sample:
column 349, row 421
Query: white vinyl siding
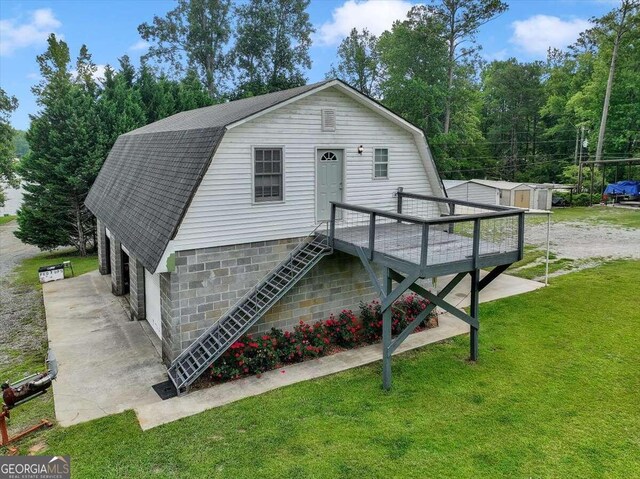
column 152, row 301
column 381, row 163
column 223, row 212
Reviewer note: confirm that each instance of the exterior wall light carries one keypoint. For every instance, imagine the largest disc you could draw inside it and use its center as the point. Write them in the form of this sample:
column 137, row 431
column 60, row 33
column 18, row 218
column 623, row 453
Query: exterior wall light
column 360, row 149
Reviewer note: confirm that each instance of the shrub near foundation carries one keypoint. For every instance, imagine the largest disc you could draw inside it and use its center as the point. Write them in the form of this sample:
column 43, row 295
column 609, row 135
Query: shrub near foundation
column 255, row 354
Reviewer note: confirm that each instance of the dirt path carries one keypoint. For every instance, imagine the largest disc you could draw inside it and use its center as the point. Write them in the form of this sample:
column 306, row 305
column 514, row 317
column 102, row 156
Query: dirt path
column 20, row 307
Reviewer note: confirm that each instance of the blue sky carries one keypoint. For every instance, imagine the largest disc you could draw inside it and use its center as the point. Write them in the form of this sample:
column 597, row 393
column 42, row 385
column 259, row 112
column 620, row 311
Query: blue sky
column 109, row 29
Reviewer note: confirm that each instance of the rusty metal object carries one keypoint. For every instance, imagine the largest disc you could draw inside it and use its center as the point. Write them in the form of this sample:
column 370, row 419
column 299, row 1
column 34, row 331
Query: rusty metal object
column 5, row 439
column 24, row 390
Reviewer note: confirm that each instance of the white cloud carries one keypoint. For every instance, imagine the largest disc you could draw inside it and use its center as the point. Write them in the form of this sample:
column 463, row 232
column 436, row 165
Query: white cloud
column 139, row 45
column 539, row 32
column 376, row 15
column 499, row 55
column 20, row 33
column 98, row 75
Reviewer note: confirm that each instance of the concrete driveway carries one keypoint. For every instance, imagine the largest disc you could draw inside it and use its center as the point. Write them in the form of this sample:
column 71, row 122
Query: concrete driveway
column 107, row 363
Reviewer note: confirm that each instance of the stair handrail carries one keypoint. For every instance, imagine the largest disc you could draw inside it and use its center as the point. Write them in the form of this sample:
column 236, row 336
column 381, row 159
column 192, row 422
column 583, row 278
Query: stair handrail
column 210, row 329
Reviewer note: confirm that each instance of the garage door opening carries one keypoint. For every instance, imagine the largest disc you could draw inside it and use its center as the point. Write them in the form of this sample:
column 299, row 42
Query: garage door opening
column 125, row 273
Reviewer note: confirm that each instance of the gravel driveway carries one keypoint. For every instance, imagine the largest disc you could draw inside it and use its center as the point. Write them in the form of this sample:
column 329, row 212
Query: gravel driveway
column 583, row 241
column 20, row 306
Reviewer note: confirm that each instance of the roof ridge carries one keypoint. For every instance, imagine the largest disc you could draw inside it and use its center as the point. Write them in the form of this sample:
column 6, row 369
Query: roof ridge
column 223, row 114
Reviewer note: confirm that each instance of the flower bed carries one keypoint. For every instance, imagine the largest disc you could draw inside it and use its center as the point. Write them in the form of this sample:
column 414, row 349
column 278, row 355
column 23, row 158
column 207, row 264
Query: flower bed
column 255, row 354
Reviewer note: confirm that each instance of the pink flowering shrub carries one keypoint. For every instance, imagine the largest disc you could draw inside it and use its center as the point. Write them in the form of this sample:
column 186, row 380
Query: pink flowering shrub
column 343, row 330
column 257, row 353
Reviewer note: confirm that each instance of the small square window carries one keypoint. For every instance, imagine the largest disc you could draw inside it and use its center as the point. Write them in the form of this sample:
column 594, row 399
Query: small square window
column 381, row 163
column 267, row 179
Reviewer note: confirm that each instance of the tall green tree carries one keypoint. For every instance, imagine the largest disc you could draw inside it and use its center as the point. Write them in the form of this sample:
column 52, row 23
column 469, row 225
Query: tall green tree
column 272, row 45
column 461, row 20
column 194, row 35
column 120, row 104
column 414, row 59
column 512, row 99
column 618, row 21
column 66, row 153
column 359, row 62
column 8, row 104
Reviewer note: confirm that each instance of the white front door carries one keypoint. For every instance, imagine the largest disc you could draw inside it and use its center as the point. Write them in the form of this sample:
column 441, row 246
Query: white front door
column 328, row 181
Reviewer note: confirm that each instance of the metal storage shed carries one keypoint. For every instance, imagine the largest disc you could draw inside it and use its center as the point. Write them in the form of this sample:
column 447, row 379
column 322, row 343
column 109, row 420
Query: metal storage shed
column 542, row 195
column 468, row 190
column 519, row 195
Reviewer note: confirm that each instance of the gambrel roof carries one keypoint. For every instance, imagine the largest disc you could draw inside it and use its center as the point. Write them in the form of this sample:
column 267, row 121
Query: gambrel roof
column 151, row 174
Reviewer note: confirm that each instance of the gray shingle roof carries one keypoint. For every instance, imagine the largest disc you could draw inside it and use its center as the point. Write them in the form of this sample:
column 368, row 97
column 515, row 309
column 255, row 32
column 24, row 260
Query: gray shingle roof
column 146, row 183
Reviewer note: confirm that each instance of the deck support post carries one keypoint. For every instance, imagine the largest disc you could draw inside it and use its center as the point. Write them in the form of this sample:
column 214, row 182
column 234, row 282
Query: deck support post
column 386, row 332
column 475, row 300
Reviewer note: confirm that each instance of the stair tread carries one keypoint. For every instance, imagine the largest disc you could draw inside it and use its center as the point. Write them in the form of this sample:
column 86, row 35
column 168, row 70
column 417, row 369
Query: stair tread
column 240, row 317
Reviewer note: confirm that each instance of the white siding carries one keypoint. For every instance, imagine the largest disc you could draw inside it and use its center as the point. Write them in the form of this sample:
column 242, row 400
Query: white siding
column 152, row 301
column 222, row 211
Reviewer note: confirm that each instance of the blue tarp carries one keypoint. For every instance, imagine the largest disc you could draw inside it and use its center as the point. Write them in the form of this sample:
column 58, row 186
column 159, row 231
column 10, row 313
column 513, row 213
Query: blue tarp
column 631, row 188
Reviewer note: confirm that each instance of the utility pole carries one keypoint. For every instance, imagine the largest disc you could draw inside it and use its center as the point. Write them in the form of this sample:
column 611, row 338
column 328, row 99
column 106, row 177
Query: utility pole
column 583, row 144
column 575, row 153
column 621, row 30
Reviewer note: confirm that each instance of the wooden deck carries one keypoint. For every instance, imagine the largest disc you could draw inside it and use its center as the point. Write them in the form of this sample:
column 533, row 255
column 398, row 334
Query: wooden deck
column 437, row 245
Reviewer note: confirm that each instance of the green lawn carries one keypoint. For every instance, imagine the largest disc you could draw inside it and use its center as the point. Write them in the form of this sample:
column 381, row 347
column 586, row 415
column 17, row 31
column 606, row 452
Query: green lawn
column 6, row 219
column 556, row 393
column 23, row 362
column 27, row 272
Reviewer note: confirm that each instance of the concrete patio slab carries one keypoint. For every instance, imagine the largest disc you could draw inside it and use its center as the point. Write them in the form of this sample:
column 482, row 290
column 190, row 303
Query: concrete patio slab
column 501, row 287
column 156, row 414
column 107, row 363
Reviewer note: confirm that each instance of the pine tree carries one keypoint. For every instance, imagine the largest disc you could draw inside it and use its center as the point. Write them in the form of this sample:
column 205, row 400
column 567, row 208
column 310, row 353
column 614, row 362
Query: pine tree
column 120, row 104
column 66, row 153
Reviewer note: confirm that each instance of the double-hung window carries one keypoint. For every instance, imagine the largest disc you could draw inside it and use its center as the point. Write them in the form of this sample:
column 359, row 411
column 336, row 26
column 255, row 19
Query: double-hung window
column 267, row 181
column 381, row 163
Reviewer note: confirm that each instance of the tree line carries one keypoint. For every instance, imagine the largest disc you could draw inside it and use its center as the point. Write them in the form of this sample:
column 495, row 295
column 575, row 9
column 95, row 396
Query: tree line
column 524, row 121
column 521, row 121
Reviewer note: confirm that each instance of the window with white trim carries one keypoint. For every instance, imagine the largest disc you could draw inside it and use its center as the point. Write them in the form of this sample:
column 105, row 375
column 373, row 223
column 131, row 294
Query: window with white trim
column 381, row 163
column 267, row 170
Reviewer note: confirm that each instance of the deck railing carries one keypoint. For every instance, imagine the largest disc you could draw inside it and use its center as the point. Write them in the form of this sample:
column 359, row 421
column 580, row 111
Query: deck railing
column 427, row 231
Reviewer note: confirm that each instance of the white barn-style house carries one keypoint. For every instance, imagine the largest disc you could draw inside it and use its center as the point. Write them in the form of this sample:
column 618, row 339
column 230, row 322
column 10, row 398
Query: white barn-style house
column 220, row 217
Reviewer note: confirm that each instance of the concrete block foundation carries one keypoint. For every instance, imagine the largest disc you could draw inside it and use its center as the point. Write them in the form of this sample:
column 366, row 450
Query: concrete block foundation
column 206, row 282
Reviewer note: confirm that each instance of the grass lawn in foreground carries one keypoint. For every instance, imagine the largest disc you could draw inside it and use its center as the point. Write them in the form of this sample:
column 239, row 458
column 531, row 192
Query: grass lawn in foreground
column 6, row 219
column 23, row 362
column 556, row 393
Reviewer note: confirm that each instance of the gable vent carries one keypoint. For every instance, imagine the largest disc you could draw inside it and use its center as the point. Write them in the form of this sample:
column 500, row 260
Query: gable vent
column 328, row 120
